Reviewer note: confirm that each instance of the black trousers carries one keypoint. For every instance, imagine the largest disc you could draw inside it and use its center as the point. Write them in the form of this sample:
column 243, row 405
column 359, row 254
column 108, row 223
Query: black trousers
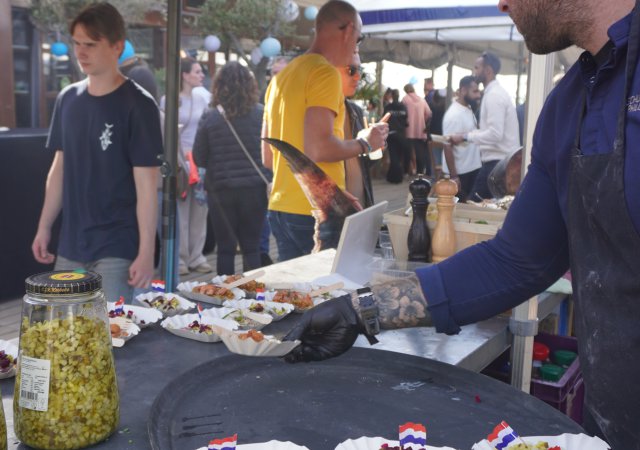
column 398, row 149
column 238, row 216
column 423, row 160
column 480, row 189
column 467, row 180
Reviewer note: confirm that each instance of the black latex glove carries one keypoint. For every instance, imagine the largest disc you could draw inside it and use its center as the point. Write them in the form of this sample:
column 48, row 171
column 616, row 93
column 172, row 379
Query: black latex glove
column 326, row 331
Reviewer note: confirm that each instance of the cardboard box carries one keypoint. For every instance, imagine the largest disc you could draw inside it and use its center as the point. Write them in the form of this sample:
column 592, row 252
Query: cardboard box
column 473, row 224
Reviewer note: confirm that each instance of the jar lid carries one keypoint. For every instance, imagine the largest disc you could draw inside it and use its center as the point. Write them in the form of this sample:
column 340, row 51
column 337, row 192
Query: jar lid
column 540, row 351
column 564, row 357
column 551, row 372
column 64, row 282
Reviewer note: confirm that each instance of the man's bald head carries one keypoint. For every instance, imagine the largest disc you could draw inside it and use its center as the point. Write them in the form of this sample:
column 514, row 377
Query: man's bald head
column 335, row 11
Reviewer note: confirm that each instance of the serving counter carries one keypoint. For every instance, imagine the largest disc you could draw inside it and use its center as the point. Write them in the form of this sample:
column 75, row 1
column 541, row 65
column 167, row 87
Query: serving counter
column 177, row 393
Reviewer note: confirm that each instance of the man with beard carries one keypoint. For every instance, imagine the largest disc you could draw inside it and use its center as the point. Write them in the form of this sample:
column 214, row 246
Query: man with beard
column 578, row 207
column 498, row 134
column 462, row 161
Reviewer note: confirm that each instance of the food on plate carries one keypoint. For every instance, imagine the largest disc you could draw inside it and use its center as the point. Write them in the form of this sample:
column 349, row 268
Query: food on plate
column 200, row 328
column 213, row 290
column 163, row 304
column 298, row 299
column 249, row 286
column 252, row 334
column 119, row 312
column 257, row 307
column 117, row 331
column 243, row 321
column 397, row 447
column 83, row 384
column 539, row 446
column 7, row 362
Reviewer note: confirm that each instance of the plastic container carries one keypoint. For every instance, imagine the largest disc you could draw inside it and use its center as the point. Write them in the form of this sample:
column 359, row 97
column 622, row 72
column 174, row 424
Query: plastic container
column 567, row 393
column 66, row 396
column 540, row 356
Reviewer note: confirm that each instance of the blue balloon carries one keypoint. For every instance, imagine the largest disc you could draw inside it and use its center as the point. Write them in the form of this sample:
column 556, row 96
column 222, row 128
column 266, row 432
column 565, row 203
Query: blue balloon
column 310, row 13
column 270, row 47
column 59, row 49
column 127, row 52
column 413, row 80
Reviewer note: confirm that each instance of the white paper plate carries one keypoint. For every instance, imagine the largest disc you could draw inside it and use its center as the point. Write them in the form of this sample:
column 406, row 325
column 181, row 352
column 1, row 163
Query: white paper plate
column 186, row 287
column 271, row 445
column 140, row 314
column 219, row 279
column 259, row 320
column 276, row 310
column 10, row 349
column 176, row 325
column 374, row 443
column 125, row 325
column 248, row 347
column 184, row 305
column 565, row 441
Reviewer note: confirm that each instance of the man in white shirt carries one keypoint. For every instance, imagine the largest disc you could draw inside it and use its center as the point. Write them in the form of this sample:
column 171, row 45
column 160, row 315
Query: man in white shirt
column 462, row 162
column 498, row 135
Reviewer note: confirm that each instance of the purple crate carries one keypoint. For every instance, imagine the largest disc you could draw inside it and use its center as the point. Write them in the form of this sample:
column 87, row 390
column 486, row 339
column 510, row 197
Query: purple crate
column 555, row 393
column 573, row 403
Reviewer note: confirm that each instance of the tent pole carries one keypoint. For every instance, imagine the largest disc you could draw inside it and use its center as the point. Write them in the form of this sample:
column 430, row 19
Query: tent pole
column 451, row 57
column 539, row 83
column 170, row 163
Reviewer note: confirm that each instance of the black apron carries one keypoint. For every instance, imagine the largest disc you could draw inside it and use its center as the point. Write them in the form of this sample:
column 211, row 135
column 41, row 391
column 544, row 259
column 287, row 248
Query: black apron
column 605, row 264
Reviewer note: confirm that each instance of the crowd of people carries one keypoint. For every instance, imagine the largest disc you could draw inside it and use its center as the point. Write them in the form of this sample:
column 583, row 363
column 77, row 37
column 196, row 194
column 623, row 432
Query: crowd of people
column 224, row 171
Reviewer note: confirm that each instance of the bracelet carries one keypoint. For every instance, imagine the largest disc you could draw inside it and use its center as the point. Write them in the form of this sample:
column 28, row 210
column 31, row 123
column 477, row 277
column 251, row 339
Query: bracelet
column 366, row 147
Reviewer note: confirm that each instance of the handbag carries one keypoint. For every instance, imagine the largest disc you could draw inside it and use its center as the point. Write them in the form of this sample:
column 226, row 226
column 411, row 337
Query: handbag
column 244, row 149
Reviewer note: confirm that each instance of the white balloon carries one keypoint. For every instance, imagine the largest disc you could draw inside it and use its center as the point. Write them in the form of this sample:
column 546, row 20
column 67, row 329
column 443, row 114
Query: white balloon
column 256, row 55
column 289, row 10
column 211, row 43
column 310, row 13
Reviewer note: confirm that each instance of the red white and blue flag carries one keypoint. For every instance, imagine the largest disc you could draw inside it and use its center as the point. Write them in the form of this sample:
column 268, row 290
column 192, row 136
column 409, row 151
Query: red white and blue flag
column 228, row 443
column 158, row 285
column 120, row 304
column 412, row 433
column 502, row 436
column 200, row 311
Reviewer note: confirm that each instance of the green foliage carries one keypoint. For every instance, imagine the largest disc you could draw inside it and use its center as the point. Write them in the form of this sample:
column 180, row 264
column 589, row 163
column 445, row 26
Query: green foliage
column 367, row 89
column 55, row 15
column 250, row 19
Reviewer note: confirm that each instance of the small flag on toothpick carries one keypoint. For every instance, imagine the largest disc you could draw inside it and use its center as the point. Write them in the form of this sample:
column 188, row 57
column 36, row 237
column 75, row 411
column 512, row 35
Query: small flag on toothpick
column 228, row 443
column 260, row 294
column 120, row 304
column 412, row 433
column 502, row 436
column 200, row 312
column 158, row 285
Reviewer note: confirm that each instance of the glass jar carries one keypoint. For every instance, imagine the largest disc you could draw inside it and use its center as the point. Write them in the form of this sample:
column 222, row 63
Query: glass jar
column 66, row 395
column 3, row 427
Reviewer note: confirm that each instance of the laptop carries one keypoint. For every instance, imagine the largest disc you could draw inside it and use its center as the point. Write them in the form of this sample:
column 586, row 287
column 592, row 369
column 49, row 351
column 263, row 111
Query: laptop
column 357, row 244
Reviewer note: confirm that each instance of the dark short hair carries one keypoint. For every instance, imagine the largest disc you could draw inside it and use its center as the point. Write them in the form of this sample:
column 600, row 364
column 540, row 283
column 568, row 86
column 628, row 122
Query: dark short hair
column 395, row 95
column 428, row 80
column 465, row 82
column 100, row 20
column 186, row 64
column 235, row 88
column 491, row 60
column 335, row 11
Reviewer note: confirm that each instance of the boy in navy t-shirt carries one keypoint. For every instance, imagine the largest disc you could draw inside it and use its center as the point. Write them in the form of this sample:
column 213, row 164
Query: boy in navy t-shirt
column 106, row 136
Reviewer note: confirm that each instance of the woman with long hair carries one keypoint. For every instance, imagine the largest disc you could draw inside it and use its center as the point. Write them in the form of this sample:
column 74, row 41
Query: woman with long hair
column 235, row 188
column 192, row 210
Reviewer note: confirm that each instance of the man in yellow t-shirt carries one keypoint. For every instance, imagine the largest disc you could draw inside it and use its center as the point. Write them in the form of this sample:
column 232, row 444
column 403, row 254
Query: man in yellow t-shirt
column 305, row 107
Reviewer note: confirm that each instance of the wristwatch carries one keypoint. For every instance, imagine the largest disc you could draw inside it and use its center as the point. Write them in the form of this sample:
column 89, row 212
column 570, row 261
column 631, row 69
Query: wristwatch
column 369, row 314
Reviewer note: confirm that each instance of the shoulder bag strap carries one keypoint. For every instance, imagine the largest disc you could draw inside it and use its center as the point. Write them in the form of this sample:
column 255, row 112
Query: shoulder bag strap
column 244, row 149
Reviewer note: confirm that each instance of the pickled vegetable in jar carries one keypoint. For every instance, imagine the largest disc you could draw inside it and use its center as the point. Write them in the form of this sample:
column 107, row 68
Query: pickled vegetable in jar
column 3, row 427
column 66, row 395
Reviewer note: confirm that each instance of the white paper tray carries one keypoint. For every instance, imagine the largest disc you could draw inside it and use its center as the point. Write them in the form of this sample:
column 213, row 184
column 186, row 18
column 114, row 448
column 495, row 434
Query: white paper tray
column 140, row 313
column 184, row 305
column 374, row 443
column 276, row 310
column 10, row 349
column 176, row 325
column 185, row 288
column 248, row 347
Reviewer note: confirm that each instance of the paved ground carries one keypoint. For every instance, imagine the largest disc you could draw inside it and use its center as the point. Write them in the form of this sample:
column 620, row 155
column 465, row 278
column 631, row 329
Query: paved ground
column 395, row 194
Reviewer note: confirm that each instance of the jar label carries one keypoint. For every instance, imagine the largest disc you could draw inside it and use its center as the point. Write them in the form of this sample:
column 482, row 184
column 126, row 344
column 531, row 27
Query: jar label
column 34, row 383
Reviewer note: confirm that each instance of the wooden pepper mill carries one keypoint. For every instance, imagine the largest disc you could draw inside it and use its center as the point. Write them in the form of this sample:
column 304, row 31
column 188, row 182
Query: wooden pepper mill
column 443, row 241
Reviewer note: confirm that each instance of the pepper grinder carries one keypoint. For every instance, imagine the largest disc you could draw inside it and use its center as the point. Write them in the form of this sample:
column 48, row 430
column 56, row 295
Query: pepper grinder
column 419, row 239
column 443, row 243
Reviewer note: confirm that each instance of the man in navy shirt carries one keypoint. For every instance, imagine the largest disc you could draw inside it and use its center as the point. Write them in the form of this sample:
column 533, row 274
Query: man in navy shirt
column 106, row 136
column 578, row 208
